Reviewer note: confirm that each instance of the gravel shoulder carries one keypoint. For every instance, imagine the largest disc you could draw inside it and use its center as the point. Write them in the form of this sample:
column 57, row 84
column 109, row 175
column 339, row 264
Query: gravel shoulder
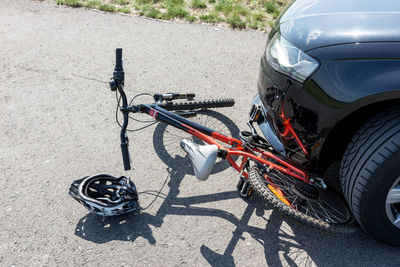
column 57, row 125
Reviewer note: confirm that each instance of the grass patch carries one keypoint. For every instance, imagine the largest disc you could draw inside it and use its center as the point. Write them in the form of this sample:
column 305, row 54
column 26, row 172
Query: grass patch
column 240, row 9
column 175, row 9
column 253, row 25
column 125, row 10
column 271, row 23
column 224, row 6
column 93, row 3
column 227, row 7
column 239, row 14
column 191, row 18
column 272, row 7
column 176, row 12
column 121, row 2
column 211, row 17
column 174, row 3
column 72, row 3
column 199, row 4
column 150, row 12
column 107, row 7
column 235, row 21
column 136, row 7
column 143, row 2
column 258, row 16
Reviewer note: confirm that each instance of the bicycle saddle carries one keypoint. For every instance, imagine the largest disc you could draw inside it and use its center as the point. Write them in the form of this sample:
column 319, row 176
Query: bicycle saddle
column 203, row 158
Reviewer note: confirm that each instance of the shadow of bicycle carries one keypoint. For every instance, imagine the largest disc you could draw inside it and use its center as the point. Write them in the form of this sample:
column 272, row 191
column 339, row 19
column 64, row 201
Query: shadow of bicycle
column 166, row 144
column 166, row 140
column 285, row 242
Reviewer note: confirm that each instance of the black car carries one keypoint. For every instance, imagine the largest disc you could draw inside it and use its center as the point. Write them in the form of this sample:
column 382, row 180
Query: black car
column 329, row 89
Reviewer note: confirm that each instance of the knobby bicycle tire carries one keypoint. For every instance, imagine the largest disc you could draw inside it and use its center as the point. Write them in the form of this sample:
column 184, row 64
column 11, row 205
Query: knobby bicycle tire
column 198, row 104
column 260, row 187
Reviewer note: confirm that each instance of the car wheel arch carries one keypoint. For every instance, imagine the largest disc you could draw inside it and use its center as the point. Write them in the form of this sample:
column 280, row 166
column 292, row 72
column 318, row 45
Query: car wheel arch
column 345, row 129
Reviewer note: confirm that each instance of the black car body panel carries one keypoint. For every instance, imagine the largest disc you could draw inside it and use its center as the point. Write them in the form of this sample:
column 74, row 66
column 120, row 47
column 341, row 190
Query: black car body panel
column 359, row 56
column 315, row 23
column 352, row 71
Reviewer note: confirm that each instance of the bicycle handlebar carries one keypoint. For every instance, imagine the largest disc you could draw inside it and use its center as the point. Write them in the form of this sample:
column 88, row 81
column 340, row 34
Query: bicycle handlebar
column 117, row 83
column 126, row 156
column 118, row 59
column 119, row 74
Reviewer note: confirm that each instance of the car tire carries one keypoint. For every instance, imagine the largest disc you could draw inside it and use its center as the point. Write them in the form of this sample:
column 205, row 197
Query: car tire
column 370, row 170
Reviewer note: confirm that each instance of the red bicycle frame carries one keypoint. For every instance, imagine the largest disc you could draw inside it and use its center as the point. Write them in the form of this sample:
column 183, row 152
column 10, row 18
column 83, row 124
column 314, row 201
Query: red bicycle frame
column 235, row 148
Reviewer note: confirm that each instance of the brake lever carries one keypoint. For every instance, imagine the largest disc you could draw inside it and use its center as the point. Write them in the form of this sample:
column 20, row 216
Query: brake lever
column 113, row 85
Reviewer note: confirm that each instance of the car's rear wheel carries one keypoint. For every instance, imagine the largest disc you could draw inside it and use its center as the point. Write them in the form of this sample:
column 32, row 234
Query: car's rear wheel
column 370, row 176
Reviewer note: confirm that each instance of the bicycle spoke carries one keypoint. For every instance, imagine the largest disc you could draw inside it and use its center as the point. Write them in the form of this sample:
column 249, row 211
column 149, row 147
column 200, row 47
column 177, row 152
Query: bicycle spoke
column 327, row 212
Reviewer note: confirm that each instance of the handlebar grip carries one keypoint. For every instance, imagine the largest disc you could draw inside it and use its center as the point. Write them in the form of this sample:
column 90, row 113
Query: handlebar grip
column 171, row 96
column 119, row 74
column 118, row 59
column 183, row 95
column 125, row 156
column 190, row 95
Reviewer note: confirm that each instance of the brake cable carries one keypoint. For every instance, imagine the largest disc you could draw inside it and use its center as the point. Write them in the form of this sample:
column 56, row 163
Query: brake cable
column 119, row 107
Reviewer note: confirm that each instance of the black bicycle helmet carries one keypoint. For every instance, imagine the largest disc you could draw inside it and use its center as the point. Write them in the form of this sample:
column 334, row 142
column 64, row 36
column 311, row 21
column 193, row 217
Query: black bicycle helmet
column 106, row 195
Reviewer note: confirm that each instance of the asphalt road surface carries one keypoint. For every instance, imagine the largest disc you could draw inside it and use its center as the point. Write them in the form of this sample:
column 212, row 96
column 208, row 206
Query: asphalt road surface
column 57, row 124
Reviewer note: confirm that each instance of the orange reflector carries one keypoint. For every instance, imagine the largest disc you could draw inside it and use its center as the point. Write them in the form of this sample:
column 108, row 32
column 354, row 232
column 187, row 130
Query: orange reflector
column 250, row 191
column 279, row 195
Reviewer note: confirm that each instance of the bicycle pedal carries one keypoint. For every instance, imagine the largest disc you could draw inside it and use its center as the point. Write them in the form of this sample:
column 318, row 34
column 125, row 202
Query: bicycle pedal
column 240, row 184
column 244, row 188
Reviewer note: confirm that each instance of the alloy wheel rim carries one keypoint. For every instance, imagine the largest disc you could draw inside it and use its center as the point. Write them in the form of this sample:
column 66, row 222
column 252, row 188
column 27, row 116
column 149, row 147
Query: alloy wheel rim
column 393, row 204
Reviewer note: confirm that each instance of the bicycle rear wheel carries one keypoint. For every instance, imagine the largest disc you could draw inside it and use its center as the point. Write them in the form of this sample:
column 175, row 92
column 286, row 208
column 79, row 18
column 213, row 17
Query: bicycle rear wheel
column 198, row 104
column 325, row 210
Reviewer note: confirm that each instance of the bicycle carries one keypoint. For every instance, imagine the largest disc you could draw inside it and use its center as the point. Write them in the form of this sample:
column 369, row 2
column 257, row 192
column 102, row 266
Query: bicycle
column 295, row 192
